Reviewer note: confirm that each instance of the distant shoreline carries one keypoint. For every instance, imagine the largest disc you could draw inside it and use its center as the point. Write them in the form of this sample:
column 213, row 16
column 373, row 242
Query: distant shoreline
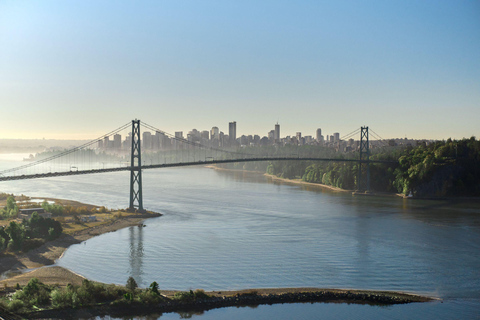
column 336, row 189
column 275, row 178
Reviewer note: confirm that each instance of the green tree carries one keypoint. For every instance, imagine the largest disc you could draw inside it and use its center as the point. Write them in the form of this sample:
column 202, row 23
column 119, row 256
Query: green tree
column 16, row 232
column 131, row 284
column 11, row 208
column 11, row 203
column 154, row 287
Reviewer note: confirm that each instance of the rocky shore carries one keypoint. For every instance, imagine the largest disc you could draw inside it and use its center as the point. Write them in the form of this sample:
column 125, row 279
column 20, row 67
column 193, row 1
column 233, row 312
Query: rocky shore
column 241, row 298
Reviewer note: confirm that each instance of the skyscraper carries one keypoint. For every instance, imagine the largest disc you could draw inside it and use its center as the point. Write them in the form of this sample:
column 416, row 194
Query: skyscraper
column 277, row 133
column 232, row 131
column 147, row 140
column 319, row 134
column 336, row 136
column 214, row 133
column 117, row 141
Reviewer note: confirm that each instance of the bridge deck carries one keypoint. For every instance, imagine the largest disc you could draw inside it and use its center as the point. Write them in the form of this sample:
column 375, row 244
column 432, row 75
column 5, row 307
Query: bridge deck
column 181, row 164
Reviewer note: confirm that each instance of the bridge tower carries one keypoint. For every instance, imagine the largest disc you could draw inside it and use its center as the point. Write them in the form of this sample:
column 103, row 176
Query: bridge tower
column 363, row 183
column 136, row 197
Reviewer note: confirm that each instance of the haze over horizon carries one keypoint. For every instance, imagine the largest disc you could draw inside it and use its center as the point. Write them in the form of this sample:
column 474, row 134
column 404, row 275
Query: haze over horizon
column 76, row 70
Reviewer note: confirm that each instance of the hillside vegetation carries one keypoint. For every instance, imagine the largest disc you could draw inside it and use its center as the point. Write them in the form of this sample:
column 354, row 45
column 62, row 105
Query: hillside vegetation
column 440, row 169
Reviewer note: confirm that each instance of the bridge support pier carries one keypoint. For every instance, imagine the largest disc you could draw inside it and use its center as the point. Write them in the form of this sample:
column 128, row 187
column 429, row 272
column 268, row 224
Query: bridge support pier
column 363, row 183
column 136, row 196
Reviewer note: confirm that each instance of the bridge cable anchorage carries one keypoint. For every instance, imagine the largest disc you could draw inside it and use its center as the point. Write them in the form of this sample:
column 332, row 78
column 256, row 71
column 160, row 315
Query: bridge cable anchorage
column 136, row 192
column 66, row 152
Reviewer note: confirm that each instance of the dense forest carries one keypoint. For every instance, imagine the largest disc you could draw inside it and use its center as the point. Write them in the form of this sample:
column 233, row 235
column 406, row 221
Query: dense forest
column 438, row 169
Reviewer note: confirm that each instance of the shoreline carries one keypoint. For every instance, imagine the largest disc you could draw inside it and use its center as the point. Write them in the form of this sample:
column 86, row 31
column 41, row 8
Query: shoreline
column 336, row 189
column 304, row 183
column 47, row 254
column 39, row 263
column 288, row 181
column 241, row 298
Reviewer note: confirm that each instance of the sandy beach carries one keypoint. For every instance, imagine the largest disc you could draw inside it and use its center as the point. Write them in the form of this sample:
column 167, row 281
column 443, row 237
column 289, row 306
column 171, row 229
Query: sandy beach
column 283, row 180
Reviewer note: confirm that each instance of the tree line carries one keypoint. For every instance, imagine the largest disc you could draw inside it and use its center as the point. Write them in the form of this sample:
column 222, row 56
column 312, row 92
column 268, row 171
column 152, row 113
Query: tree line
column 438, row 169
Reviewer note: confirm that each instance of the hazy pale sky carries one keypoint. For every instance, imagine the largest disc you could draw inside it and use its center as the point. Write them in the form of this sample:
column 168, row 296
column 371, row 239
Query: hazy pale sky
column 78, row 69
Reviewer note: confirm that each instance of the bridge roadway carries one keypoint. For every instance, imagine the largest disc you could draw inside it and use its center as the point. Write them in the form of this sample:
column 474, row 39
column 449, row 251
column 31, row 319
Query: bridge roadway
column 180, row 164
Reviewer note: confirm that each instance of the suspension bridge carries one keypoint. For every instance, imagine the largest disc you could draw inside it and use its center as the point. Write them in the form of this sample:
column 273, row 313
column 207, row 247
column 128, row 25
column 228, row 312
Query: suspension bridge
column 172, row 151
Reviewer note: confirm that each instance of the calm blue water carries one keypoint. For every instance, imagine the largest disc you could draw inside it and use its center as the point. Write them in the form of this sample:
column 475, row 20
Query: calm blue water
column 224, row 230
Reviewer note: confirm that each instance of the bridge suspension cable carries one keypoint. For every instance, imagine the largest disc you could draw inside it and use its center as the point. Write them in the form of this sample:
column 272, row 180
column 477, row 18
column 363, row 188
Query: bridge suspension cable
column 351, row 134
column 66, row 152
column 379, row 138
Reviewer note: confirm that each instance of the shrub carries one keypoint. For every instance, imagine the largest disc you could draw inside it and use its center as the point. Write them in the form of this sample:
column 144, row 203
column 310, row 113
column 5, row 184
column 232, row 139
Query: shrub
column 34, row 293
column 200, row 294
column 61, row 298
column 15, row 305
column 182, row 296
column 147, row 297
column 190, row 296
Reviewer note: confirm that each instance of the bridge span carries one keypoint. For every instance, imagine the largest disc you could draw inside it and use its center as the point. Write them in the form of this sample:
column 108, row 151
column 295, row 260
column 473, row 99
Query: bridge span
column 43, row 168
column 179, row 164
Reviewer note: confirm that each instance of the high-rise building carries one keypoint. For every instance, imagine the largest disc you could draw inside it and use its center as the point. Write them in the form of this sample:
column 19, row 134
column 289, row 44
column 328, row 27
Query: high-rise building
column 336, row 137
column 277, row 133
column 214, row 133
column 127, row 143
column 271, row 135
column 157, row 140
column 205, row 134
column 176, row 143
column 243, row 140
column 299, row 136
column 232, row 131
column 179, row 134
column 319, row 135
column 147, row 140
column 221, row 139
column 117, row 141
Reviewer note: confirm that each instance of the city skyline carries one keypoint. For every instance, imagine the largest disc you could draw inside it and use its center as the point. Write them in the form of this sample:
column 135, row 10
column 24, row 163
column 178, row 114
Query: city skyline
column 403, row 68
